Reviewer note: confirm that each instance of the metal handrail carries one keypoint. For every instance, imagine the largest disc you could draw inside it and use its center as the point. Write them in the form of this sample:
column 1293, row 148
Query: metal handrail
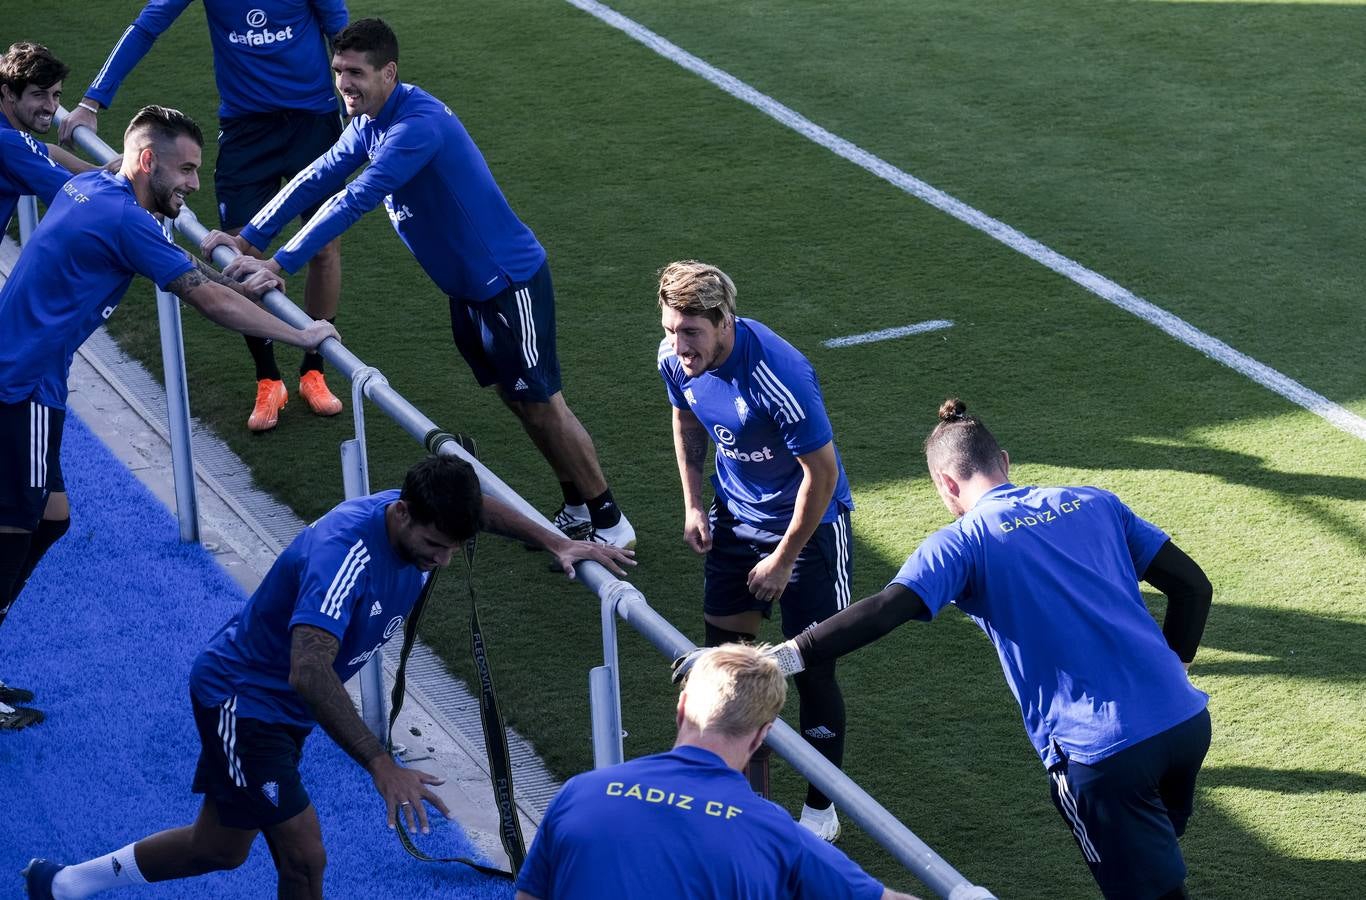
column 619, row 598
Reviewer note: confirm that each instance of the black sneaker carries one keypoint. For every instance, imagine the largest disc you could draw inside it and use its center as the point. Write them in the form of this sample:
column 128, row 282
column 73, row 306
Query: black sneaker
column 14, row 695
column 17, row 718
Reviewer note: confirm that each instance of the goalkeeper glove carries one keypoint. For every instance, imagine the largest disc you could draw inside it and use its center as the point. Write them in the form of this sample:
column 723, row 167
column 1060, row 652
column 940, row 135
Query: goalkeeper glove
column 786, row 655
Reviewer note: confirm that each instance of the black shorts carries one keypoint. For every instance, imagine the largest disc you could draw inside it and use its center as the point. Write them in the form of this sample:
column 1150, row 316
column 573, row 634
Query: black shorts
column 30, row 461
column 250, row 768
column 820, row 582
column 259, row 152
column 509, row 339
column 1126, row 811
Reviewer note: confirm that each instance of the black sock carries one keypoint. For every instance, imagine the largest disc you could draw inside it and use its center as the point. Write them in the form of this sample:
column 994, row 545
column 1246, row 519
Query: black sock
column 572, row 497
column 1176, row 893
column 263, row 355
column 822, row 719
column 602, row 509
column 716, row 636
column 14, row 547
column 313, row 360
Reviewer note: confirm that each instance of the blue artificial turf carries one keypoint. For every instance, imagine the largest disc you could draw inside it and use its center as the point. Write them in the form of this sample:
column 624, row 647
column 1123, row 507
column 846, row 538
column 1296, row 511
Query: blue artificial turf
column 104, row 635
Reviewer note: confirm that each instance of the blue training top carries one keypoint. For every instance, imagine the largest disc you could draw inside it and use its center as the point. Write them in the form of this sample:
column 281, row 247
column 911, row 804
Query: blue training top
column 762, row 408
column 268, row 55
column 25, row 168
column 1051, row 575
column 340, row 574
column 436, row 186
column 71, row 276
column 681, row 824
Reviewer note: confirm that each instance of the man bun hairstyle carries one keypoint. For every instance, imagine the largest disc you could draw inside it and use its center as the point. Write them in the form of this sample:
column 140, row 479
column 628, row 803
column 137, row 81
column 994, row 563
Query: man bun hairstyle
column 962, row 443
column 26, row 63
column 734, row 690
column 158, row 127
column 697, row 289
column 443, row 491
column 373, row 37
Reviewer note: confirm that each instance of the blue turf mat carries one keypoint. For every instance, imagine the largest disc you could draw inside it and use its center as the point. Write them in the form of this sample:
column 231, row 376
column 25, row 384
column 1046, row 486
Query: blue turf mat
column 104, row 635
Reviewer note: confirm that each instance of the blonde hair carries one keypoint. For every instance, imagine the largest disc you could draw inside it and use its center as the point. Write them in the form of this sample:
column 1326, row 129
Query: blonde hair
column 734, row 689
column 697, row 289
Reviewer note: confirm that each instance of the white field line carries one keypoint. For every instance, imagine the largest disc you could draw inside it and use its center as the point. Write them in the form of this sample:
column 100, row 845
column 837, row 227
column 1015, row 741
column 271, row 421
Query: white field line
column 1094, row 282
column 886, row 334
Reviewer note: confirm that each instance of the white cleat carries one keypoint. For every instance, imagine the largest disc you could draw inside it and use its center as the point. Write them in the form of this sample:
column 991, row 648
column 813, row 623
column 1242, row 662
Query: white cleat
column 573, row 521
column 619, row 535
column 823, row 823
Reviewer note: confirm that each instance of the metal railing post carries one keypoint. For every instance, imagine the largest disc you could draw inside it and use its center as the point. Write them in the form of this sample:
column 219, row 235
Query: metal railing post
column 178, row 410
column 374, row 706
column 604, row 688
column 27, row 213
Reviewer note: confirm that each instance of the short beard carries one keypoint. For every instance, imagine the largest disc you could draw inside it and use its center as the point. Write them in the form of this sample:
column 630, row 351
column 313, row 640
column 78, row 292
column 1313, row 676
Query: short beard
column 163, row 196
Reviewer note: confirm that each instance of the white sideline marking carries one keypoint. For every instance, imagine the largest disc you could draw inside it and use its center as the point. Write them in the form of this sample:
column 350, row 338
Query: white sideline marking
column 1094, row 282
column 887, row 334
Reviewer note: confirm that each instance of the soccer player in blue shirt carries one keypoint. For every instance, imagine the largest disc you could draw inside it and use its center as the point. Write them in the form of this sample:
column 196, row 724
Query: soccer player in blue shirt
column 30, row 92
column 778, row 529
column 99, row 232
column 277, row 113
column 1051, row 575
column 340, row 591
column 447, row 209
column 685, row 824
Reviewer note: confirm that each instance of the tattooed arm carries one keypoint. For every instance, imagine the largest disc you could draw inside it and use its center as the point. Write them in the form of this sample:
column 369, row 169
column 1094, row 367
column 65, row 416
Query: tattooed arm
column 690, row 447
column 311, row 654
column 228, row 304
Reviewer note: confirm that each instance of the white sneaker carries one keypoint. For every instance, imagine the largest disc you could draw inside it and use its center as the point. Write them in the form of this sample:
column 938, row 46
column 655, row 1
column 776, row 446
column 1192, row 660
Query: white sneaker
column 619, row 535
column 573, row 521
column 823, row 823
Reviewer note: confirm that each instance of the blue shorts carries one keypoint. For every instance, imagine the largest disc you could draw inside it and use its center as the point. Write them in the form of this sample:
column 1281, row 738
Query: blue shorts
column 259, row 152
column 1126, row 811
column 509, row 339
column 821, row 578
column 30, row 461
column 250, row 768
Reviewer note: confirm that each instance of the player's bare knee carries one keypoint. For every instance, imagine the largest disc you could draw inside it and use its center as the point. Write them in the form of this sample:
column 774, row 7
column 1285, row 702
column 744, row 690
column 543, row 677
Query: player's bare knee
column 302, row 865
column 218, row 857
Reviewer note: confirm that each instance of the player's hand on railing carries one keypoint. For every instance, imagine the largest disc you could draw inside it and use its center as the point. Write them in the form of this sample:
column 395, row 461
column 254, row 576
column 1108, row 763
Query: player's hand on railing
column 611, row 558
column 315, row 334
column 697, row 530
column 245, row 265
column 260, row 281
column 406, row 789
column 218, row 238
column 786, row 655
column 81, row 115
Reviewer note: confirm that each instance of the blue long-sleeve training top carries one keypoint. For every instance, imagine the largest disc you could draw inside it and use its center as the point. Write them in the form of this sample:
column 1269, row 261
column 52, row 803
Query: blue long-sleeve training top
column 436, row 186
column 268, row 55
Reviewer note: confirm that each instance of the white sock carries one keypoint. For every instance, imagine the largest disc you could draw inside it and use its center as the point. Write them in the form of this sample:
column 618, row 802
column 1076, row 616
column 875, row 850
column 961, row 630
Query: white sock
column 117, row 869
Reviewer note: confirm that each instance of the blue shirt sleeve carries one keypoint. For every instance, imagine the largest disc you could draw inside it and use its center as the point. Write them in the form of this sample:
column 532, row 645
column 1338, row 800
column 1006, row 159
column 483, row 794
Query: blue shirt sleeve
column 407, row 147
column 27, row 163
column 825, row 873
column 133, row 45
column 319, row 178
column 332, row 16
column 335, row 572
column 788, row 391
column 1143, row 537
column 672, row 375
column 148, row 250
column 940, row 569
column 537, row 875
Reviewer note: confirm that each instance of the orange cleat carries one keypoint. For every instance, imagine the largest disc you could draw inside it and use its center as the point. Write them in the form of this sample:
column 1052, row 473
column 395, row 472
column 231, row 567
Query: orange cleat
column 271, row 397
column 313, row 387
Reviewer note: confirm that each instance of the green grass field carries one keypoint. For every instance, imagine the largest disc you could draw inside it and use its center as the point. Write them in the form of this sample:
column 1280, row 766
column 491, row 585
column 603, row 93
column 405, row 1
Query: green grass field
column 1203, row 155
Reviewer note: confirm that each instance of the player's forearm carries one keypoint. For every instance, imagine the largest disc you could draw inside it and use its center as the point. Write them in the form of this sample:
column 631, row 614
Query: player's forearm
column 502, row 519
column 223, row 305
column 690, row 449
column 820, row 475
column 1189, row 596
column 312, row 652
column 69, row 161
column 860, row 624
